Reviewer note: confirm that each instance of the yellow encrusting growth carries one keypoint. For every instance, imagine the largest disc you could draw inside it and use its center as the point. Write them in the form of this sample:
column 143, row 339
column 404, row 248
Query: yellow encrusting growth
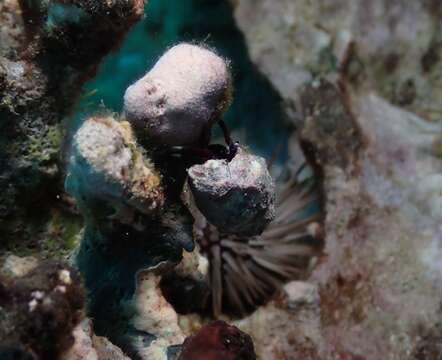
column 116, row 167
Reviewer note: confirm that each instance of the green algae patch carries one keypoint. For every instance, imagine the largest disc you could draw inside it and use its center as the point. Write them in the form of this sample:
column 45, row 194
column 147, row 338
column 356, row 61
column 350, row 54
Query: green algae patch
column 55, row 236
column 44, row 147
column 62, row 236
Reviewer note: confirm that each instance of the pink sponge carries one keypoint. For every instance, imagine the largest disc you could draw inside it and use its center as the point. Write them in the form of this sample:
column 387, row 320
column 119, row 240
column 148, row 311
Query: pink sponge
column 181, row 97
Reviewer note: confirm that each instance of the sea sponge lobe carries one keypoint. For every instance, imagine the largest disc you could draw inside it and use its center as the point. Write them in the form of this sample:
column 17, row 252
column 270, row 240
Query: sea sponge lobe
column 181, row 97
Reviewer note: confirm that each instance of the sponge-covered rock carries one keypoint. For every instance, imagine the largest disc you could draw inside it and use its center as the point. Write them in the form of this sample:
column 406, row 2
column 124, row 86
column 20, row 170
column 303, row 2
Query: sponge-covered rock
column 181, row 97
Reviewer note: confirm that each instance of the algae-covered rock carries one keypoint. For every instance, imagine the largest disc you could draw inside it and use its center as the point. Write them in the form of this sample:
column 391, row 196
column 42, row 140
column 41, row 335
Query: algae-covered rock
column 218, row 340
column 48, row 49
column 106, row 163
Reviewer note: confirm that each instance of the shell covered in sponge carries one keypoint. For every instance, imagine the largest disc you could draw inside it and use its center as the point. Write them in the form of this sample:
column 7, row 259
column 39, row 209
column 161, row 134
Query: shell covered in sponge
column 181, row 97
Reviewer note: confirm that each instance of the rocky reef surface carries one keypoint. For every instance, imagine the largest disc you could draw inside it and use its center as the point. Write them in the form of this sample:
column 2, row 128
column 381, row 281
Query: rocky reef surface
column 361, row 82
column 48, row 50
column 344, row 260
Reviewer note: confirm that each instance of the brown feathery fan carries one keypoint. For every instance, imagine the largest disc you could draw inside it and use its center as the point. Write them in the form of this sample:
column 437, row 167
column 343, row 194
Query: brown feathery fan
column 246, row 271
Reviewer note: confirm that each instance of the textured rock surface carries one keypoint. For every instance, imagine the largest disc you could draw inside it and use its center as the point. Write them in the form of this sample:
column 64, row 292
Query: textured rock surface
column 287, row 327
column 48, row 49
column 106, row 163
column 380, row 285
column 155, row 317
column 373, row 132
column 106, row 350
column 395, row 49
column 39, row 311
column 88, row 346
column 19, row 266
column 83, row 347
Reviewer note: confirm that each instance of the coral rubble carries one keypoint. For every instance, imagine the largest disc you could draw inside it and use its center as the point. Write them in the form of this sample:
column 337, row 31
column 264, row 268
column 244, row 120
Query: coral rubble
column 181, row 97
column 236, row 196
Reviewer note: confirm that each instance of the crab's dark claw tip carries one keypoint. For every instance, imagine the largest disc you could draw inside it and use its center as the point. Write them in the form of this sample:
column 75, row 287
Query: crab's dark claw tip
column 233, row 149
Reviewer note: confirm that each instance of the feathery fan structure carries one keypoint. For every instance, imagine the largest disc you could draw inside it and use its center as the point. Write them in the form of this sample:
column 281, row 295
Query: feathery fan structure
column 246, row 271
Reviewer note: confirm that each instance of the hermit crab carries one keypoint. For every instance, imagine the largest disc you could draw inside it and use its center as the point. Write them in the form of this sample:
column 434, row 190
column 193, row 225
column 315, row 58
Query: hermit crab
column 256, row 237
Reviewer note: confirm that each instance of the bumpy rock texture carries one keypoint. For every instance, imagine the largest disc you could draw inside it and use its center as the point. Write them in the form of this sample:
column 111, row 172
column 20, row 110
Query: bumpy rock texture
column 359, row 80
column 48, row 49
column 39, row 311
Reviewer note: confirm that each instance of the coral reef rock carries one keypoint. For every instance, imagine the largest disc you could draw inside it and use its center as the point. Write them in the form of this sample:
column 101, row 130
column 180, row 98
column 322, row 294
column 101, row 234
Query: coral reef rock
column 39, row 311
column 359, row 81
column 155, row 316
column 131, row 194
column 88, row 346
column 109, row 165
column 48, row 50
